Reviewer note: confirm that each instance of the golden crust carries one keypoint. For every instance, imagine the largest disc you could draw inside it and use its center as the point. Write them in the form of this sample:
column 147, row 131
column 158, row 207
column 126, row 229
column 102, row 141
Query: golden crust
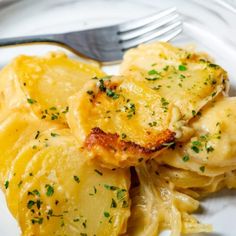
column 134, row 152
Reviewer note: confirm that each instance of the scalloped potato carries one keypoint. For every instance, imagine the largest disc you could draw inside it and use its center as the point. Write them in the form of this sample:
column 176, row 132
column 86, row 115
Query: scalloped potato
column 69, row 135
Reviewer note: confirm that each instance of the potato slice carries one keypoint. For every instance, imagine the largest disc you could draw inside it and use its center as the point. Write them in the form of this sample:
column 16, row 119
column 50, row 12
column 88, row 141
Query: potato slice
column 43, row 84
column 120, row 121
column 56, row 191
column 15, row 131
column 212, row 149
column 183, row 77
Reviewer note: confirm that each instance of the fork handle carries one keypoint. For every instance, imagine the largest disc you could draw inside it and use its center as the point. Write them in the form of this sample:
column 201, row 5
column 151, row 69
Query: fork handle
column 53, row 38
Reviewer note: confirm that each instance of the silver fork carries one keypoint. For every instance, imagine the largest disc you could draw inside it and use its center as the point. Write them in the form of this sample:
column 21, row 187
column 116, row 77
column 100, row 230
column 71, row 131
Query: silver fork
column 108, row 44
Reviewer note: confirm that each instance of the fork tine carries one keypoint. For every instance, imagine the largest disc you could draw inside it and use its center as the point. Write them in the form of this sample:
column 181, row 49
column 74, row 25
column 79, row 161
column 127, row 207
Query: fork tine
column 141, row 31
column 170, row 36
column 145, row 20
column 151, row 36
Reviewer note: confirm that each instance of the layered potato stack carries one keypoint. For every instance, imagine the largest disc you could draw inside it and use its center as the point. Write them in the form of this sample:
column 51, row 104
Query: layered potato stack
column 83, row 153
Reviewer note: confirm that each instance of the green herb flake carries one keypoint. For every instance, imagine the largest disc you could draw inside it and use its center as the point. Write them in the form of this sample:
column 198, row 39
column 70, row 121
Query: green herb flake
column 66, row 110
column 31, row 101
column 152, row 124
column 30, row 204
column 106, row 214
column 123, row 135
column 101, row 85
column 90, row 92
column 202, row 168
column 6, row 184
column 195, row 149
column 37, row 220
column 182, row 68
column 112, row 94
column 110, row 187
column 153, row 72
column 37, row 135
column 185, row 158
column 98, row 172
column 49, row 190
column 113, row 203
column 152, row 79
column 210, row 149
column 54, row 134
column 76, row 179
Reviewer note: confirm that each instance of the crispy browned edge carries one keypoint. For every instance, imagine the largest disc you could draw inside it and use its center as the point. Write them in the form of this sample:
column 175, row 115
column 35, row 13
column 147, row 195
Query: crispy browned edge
column 112, row 142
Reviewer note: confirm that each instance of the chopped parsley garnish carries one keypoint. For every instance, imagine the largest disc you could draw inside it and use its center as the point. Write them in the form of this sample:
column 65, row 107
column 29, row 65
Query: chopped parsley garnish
column 131, row 109
column 101, row 85
column 112, row 94
column 153, row 72
column 152, row 124
column 110, row 187
column 152, row 79
column 182, row 68
column 76, row 179
column 30, row 204
column 195, row 149
column 37, row 135
column 37, row 220
column 49, row 190
column 185, row 158
column 113, row 203
column 54, row 117
column 166, row 68
column 123, row 135
column 31, row 101
column 202, row 168
column 54, row 134
column 98, row 172
column 66, row 110
column 84, row 224
column 164, row 104
column 6, row 184
column 106, row 214
column 90, row 92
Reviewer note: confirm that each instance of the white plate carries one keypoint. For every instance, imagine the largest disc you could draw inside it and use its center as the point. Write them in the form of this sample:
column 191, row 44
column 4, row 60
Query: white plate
column 210, row 25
